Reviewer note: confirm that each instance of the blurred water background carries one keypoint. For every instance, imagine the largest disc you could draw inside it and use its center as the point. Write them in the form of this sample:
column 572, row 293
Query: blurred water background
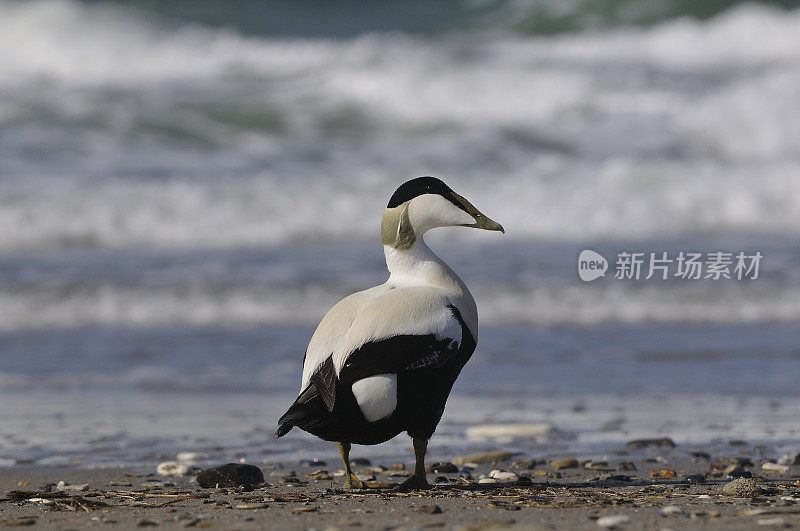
column 187, row 187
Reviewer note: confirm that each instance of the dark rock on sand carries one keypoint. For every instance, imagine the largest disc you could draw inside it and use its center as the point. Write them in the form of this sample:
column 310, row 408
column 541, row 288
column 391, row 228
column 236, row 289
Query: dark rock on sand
column 230, row 475
column 665, row 442
column 525, row 464
column 695, row 479
column 442, row 468
column 360, row 461
column 743, row 487
column 429, row 509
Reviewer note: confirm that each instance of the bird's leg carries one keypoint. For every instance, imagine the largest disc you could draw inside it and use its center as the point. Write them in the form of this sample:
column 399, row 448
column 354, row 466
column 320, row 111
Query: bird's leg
column 351, row 482
column 418, row 481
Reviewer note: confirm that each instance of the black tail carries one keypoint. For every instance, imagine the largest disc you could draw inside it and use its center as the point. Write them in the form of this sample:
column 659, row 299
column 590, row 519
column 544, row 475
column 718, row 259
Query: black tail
column 286, row 422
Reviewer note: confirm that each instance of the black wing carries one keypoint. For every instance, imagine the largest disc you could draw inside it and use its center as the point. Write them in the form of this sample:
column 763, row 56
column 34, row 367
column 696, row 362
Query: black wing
column 387, row 356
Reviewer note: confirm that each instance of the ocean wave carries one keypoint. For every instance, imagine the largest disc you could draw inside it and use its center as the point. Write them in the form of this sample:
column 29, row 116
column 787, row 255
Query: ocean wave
column 143, row 133
column 115, row 305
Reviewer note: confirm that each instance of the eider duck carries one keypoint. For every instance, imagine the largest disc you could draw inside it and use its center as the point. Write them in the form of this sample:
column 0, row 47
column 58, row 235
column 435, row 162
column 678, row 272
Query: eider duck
column 384, row 360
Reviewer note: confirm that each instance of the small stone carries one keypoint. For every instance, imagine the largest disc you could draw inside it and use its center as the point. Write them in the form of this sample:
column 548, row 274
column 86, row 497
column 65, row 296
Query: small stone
column 695, row 479
column 501, row 475
column 63, row 486
column 671, row 510
column 483, row 458
column 146, row 523
column 736, row 460
column 602, row 466
column 429, row 509
column 230, row 475
column 442, row 468
column 251, row 506
column 792, row 459
column 366, row 477
column 320, row 475
column 628, row 466
column 613, row 520
column 360, row 461
column 777, row 521
column 774, row 467
column 487, row 480
column 18, row 522
column 525, row 464
column 665, row 442
column 732, row 469
column 663, row 473
column 397, row 466
column 172, row 468
column 561, row 464
column 510, row 431
column 743, row 487
column 246, row 488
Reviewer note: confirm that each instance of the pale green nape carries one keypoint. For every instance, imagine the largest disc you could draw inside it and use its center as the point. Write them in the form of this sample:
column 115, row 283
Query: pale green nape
column 396, row 230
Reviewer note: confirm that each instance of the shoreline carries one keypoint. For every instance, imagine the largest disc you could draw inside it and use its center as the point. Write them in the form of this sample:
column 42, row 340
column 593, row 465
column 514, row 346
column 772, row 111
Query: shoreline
column 643, row 485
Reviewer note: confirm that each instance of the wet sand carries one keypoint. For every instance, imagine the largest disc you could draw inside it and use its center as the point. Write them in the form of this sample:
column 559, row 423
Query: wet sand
column 650, row 490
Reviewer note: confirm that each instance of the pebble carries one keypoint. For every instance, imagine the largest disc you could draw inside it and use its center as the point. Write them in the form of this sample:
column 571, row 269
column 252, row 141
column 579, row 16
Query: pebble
column 366, row 477
column 695, row 479
column 561, row 464
column 501, row 475
column 360, row 461
column 443, row 468
column 663, row 473
column 790, row 459
column 613, row 520
column 665, row 442
column 191, row 458
column 230, row 475
column 63, row 486
column 743, row 487
column 628, row 466
column 525, row 464
column 777, row 521
column 671, row 510
column 602, row 466
column 487, row 480
column 774, row 467
column 251, row 506
column 485, row 457
column 172, row 468
column 510, row 431
column 429, row 509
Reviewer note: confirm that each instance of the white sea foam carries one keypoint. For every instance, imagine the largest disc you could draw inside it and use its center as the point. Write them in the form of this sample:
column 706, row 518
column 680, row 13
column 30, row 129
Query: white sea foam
column 244, row 305
column 183, row 136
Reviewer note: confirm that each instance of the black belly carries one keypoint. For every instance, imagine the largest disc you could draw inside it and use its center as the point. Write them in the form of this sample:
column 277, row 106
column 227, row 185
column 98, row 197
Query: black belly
column 421, row 398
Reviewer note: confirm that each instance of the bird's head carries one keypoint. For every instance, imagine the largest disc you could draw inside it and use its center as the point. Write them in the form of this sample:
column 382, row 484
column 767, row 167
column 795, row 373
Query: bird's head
column 425, row 203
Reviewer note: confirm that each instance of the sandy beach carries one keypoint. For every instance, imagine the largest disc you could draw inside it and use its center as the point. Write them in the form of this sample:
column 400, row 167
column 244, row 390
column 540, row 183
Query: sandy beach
column 641, row 487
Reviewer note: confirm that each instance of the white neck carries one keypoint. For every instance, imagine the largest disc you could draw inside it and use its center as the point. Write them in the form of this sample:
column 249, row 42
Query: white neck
column 418, row 265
